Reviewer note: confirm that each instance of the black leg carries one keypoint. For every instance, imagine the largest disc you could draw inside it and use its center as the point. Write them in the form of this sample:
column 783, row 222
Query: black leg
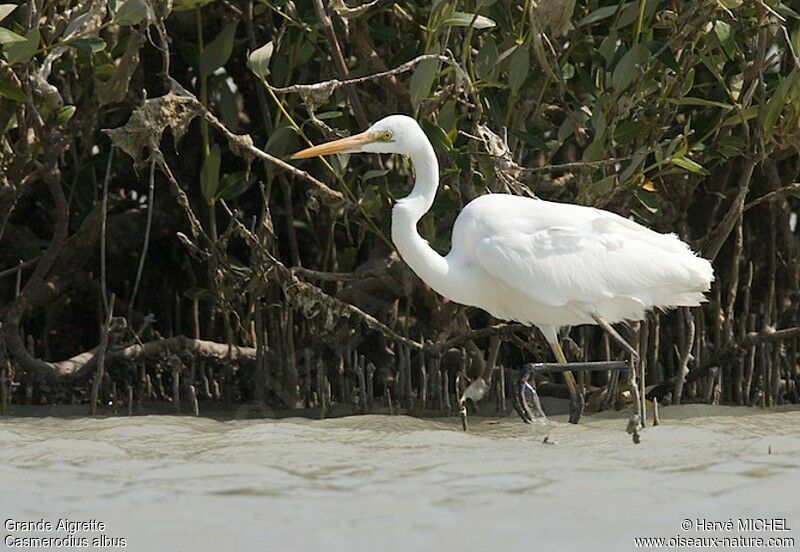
column 575, row 396
column 576, row 400
column 615, row 334
column 524, row 385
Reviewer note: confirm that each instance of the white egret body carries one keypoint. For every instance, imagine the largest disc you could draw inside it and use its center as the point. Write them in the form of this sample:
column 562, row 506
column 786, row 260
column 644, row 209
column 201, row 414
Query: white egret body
column 553, row 264
column 533, row 261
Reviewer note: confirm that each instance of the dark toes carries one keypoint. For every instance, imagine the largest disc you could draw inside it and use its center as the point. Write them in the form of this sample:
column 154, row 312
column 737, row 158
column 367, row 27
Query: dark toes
column 576, row 409
column 519, row 401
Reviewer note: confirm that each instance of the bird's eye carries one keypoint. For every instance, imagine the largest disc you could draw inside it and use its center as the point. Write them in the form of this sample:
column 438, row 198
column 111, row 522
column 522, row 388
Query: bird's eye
column 386, row 136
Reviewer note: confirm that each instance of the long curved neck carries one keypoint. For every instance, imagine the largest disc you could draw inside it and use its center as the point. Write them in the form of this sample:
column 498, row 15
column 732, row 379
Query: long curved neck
column 431, row 267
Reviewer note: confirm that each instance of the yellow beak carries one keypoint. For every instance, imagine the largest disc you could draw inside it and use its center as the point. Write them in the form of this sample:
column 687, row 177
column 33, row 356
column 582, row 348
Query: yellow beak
column 344, row 145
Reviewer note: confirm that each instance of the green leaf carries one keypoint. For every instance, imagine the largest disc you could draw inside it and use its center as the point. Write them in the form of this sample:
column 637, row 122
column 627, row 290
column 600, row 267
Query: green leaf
column 258, row 60
column 209, row 175
column 184, row 5
column 461, row 19
column 649, row 200
column 626, row 132
column 609, row 47
column 233, row 185
column 630, row 12
column 6, row 9
column 687, row 82
column 130, row 12
column 280, row 141
column 595, row 151
column 104, row 71
column 690, row 100
column 436, row 135
column 20, row 52
column 373, row 173
column 65, row 114
column 730, row 4
column 601, row 13
column 598, row 120
column 329, row 115
column 218, row 51
column 688, row 164
column 625, row 69
column 117, row 82
column 775, row 104
column 11, row 91
column 227, row 105
column 486, row 60
column 633, row 167
column 518, row 67
column 739, row 118
column 664, row 55
column 89, row 44
column 723, row 32
column 566, row 130
column 505, row 55
column 9, row 37
column 782, row 9
column 371, row 200
column 422, row 80
column 75, row 24
column 728, row 147
column 601, row 187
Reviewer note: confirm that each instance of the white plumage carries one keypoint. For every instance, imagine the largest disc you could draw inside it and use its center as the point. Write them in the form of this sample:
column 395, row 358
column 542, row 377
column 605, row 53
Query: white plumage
column 556, row 264
column 537, row 262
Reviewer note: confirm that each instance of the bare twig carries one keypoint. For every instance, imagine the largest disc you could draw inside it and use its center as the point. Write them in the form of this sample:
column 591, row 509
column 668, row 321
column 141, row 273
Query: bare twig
column 101, row 358
column 789, row 188
column 21, row 266
column 103, row 217
column 552, row 167
column 150, row 200
column 301, row 292
column 768, row 336
column 733, row 286
column 685, row 354
column 11, row 314
column 335, row 83
column 715, row 239
column 790, row 45
column 338, row 60
column 243, row 144
column 321, row 276
column 500, row 330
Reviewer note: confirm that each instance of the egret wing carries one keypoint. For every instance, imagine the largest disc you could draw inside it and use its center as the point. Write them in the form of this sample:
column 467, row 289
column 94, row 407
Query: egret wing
column 594, row 261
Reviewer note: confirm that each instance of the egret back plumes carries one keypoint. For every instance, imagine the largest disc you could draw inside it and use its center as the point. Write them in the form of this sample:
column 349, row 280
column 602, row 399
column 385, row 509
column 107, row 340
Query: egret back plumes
column 560, row 264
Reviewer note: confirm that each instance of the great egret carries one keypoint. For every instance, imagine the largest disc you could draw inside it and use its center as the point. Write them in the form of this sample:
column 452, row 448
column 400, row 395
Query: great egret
column 533, row 261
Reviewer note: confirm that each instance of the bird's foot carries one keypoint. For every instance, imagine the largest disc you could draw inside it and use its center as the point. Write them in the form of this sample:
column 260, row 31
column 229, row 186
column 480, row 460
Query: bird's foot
column 576, row 405
column 522, row 389
column 462, row 412
column 634, row 428
column 476, row 390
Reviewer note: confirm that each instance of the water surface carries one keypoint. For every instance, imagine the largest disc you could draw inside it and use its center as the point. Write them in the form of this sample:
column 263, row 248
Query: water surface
column 400, row 483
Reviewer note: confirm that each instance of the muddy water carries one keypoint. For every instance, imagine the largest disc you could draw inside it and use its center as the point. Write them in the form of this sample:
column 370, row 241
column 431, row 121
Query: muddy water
column 399, row 483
